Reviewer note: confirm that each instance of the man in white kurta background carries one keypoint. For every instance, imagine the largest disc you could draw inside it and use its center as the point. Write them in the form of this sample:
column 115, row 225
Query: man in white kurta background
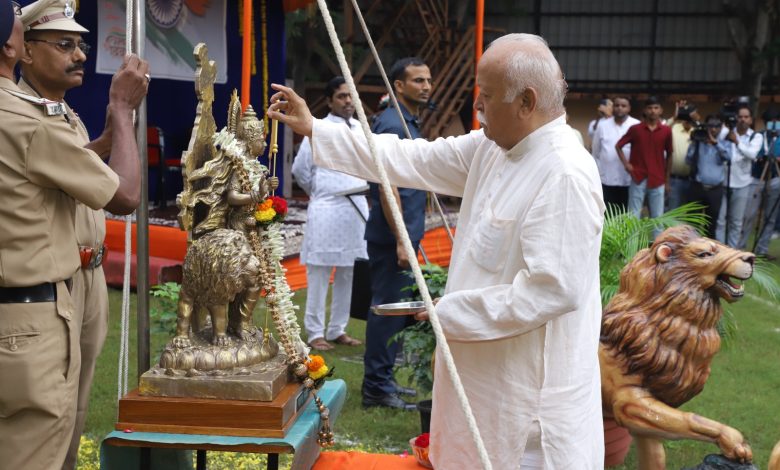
column 334, row 231
column 522, row 310
column 614, row 177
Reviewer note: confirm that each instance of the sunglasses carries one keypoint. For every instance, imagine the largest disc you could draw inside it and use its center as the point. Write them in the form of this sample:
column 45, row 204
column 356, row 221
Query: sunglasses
column 66, row 45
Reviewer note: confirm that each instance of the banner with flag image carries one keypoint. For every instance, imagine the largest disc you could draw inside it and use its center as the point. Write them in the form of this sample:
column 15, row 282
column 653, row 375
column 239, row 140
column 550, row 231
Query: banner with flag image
column 173, row 29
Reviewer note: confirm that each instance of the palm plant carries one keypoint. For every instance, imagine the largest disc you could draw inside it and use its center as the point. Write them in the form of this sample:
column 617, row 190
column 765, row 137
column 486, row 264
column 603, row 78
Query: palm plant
column 624, row 235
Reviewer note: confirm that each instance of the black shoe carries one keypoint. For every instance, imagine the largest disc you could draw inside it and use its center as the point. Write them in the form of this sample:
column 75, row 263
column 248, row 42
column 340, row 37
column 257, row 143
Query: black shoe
column 391, row 400
column 409, row 392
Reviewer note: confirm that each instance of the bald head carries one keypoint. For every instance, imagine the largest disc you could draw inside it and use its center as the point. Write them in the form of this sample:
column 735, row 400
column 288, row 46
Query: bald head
column 521, row 88
column 528, row 62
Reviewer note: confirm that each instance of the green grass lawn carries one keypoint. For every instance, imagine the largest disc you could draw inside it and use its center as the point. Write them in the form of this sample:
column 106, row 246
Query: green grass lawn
column 742, row 391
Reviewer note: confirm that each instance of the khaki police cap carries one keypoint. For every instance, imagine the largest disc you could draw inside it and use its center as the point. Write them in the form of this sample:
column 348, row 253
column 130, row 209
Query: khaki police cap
column 51, row 15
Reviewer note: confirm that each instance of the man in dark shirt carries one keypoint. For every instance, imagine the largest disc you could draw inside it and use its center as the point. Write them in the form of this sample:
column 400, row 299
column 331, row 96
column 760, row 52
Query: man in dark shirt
column 648, row 167
column 388, row 261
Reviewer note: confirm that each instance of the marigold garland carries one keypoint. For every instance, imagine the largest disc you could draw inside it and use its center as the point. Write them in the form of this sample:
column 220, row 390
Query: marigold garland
column 272, row 210
column 319, row 373
column 315, row 362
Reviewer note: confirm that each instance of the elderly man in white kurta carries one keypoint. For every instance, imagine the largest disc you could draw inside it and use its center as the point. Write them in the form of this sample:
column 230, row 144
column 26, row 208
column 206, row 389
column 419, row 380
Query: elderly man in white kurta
column 521, row 311
column 333, row 237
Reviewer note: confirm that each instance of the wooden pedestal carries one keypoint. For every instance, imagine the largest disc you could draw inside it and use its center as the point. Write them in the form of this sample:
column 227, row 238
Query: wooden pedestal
column 179, row 415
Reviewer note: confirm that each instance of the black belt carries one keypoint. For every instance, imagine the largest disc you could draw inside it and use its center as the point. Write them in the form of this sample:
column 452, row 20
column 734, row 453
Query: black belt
column 46, row 292
column 680, row 177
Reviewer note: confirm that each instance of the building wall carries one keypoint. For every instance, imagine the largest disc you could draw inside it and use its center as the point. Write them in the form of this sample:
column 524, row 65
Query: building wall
column 639, row 46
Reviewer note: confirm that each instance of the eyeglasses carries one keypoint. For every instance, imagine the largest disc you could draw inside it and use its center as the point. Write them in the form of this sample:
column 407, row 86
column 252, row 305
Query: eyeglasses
column 67, row 45
column 17, row 8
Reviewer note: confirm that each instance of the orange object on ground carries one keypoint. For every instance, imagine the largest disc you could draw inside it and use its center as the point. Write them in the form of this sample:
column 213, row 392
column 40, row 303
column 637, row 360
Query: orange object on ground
column 168, row 245
column 363, row 461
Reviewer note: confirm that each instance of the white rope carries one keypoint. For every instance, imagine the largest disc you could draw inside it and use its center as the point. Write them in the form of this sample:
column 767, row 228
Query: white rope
column 391, row 93
column 124, row 335
column 399, row 220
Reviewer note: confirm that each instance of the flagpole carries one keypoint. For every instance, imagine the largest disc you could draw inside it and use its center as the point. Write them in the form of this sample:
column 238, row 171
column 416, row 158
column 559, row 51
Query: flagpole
column 246, row 54
column 142, row 214
column 478, row 44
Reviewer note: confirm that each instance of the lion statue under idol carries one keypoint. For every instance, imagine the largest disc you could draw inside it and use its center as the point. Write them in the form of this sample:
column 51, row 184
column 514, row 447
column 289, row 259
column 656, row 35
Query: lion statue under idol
column 659, row 335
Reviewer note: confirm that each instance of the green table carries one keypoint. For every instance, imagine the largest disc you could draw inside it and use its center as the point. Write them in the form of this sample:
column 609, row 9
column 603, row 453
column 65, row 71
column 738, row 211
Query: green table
column 120, row 450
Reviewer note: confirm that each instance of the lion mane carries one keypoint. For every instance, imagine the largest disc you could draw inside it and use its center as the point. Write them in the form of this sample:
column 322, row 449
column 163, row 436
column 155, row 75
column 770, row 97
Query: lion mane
column 215, row 268
column 662, row 323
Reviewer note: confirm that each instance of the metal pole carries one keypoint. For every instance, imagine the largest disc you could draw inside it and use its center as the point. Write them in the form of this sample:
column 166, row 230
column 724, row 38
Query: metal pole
column 246, row 54
column 142, row 217
column 479, row 29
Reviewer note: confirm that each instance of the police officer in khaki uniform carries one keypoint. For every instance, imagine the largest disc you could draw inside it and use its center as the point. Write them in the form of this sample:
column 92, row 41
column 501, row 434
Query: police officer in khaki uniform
column 43, row 172
column 53, row 63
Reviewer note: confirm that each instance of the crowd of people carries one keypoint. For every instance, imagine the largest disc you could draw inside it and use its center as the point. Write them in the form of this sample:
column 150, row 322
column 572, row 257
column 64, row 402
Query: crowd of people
column 718, row 161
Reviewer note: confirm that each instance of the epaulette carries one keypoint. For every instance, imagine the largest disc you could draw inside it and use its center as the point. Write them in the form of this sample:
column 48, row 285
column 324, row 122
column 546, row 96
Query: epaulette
column 51, row 108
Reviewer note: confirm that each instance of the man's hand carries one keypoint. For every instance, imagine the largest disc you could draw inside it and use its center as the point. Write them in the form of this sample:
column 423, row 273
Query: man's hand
column 129, row 84
column 291, row 110
column 423, row 316
column 400, row 253
column 712, row 139
column 732, row 136
column 629, row 167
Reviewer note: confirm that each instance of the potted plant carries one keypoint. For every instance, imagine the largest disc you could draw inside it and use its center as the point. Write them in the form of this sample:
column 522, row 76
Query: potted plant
column 419, row 343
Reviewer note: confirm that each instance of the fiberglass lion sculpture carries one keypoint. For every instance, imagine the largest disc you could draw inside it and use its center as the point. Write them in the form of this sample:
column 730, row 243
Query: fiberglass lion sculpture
column 658, row 337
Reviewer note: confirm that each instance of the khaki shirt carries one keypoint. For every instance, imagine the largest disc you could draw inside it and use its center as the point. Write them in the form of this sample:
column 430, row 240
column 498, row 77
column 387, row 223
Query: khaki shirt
column 90, row 223
column 43, row 171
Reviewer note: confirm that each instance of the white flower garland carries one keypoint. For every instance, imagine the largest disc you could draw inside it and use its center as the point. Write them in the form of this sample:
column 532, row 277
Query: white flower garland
column 281, row 298
column 232, row 146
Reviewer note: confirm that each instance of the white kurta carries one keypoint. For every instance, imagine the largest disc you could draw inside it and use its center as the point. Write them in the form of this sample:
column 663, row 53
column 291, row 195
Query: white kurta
column 522, row 309
column 611, row 169
column 334, row 229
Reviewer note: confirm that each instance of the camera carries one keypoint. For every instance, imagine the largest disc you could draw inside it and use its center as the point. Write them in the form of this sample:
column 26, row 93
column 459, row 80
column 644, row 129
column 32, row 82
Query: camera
column 730, row 109
column 728, row 114
column 684, row 113
column 700, row 133
column 771, row 119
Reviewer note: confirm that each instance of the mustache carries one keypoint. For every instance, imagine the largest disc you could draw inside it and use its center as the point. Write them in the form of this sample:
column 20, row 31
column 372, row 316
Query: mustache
column 482, row 118
column 75, row 68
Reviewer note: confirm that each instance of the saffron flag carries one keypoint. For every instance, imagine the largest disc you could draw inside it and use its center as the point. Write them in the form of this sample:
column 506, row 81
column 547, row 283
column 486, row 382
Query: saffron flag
column 173, row 29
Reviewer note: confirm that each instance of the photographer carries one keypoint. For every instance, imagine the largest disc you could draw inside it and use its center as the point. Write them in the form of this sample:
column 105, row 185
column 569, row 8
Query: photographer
column 765, row 188
column 745, row 145
column 685, row 119
column 705, row 157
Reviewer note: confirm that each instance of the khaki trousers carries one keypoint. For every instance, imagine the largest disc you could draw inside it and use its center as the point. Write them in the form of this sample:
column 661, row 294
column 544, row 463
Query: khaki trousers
column 90, row 298
column 39, row 373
